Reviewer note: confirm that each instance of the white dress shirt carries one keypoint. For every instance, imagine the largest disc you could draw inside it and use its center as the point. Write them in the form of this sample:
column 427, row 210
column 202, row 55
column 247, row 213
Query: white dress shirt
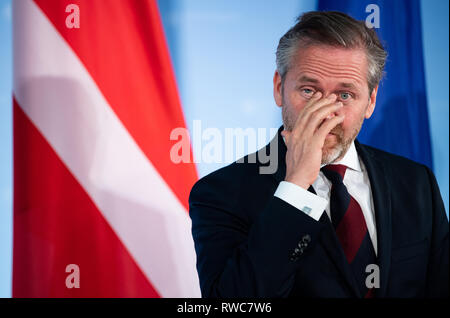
column 357, row 182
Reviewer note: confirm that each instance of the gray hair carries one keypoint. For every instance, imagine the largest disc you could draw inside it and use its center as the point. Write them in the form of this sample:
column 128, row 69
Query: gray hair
column 335, row 29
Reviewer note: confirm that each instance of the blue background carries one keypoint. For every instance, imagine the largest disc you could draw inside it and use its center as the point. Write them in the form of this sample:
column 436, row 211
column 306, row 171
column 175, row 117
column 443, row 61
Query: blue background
column 224, row 57
column 401, row 124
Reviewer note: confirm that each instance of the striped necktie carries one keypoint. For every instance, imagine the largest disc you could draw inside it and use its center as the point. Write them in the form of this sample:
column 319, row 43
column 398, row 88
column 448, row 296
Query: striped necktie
column 350, row 225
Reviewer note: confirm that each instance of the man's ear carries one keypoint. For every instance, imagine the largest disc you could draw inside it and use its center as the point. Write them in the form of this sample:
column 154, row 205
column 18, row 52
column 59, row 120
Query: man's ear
column 372, row 102
column 277, row 89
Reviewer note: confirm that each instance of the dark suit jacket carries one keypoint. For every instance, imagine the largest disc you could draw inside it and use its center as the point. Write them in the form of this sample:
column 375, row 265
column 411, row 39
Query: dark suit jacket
column 245, row 237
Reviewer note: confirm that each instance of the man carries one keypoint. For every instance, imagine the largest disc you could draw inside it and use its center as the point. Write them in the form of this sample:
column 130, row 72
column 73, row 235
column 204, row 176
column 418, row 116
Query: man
column 337, row 218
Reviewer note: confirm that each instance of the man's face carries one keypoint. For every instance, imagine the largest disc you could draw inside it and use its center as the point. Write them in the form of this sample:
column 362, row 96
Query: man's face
column 329, row 70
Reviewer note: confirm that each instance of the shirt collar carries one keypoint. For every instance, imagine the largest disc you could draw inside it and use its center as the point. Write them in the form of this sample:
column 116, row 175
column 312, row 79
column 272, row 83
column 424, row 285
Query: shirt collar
column 350, row 159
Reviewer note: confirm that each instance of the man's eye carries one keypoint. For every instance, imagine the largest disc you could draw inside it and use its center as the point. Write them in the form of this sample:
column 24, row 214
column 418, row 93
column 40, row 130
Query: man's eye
column 308, row 91
column 344, row 96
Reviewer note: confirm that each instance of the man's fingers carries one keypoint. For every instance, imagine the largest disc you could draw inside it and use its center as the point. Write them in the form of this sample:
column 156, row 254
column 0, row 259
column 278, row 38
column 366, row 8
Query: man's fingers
column 306, row 113
column 320, row 102
column 310, row 108
column 328, row 125
column 315, row 98
column 322, row 114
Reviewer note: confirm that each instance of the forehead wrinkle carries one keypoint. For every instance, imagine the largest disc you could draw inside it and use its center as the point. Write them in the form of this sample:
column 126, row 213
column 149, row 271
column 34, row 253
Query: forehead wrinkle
column 333, row 72
column 326, row 73
column 332, row 62
column 347, row 67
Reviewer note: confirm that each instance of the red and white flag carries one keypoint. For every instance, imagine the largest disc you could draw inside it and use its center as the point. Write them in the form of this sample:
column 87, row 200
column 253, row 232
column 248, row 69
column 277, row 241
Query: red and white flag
column 96, row 197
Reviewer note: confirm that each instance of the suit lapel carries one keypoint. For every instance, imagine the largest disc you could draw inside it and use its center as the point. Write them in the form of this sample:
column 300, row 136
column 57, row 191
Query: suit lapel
column 382, row 205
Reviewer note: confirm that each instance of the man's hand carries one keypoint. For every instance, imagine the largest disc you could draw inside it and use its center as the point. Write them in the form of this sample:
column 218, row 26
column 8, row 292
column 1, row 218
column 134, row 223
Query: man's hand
column 307, row 138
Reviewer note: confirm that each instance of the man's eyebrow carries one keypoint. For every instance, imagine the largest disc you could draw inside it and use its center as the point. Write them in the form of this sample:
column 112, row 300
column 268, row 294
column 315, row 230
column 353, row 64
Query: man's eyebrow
column 347, row 85
column 306, row 79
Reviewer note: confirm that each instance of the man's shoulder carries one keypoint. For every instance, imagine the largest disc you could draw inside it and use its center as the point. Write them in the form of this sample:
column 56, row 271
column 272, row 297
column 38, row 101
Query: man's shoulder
column 238, row 179
column 396, row 164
